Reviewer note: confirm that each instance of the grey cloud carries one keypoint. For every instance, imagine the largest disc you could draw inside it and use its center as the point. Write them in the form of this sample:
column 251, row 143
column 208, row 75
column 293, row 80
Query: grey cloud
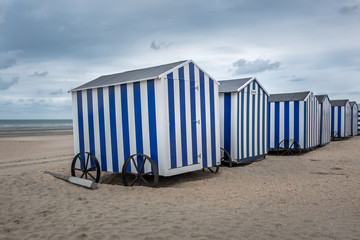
column 341, row 94
column 39, row 74
column 57, row 92
column 9, row 59
column 334, row 58
column 158, row 44
column 58, row 36
column 61, row 29
column 49, row 29
column 36, row 107
column 354, row 93
column 5, row 85
column 297, row 79
column 259, row 65
column 349, row 9
column 4, row 4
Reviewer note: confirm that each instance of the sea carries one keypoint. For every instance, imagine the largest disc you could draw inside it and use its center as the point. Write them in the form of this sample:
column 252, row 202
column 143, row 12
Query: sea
column 34, row 127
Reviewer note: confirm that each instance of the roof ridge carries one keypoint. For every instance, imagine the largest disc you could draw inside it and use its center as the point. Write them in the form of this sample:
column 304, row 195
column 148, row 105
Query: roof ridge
column 140, row 74
column 339, row 102
column 233, row 85
column 139, row 69
column 235, row 79
column 290, row 93
column 286, row 97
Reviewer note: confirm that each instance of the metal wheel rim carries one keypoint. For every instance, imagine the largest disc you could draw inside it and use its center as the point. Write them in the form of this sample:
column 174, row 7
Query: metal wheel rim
column 279, row 148
column 291, row 150
column 211, row 169
column 130, row 179
column 90, row 168
column 226, row 154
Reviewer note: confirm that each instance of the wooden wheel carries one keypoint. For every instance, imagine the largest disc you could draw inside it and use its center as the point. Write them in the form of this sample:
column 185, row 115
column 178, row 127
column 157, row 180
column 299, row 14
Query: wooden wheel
column 85, row 165
column 288, row 147
column 226, row 159
column 145, row 172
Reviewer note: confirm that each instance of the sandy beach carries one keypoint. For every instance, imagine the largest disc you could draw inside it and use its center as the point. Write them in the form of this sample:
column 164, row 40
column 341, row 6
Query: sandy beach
column 312, row 196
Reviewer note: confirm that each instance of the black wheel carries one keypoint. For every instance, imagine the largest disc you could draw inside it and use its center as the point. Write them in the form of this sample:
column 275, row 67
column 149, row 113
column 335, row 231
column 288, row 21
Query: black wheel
column 335, row 136
column 85, row 165
column 288, row 147
column 146, row 171
column 214, row 169
column 226, row 159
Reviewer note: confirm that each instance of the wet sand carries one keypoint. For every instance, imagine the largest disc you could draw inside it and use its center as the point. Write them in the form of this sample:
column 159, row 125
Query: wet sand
column 312, row 196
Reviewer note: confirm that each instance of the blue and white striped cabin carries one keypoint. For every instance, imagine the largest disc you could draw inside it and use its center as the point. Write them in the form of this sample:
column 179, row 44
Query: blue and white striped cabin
column 358, row 119
column 340, row 118
column 323, row 119
column 354, row 118
column 293, row 116
column 168, row 112
column 243, row 121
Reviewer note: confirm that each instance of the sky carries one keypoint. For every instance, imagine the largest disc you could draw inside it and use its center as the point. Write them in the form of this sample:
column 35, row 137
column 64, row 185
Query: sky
column 49, row 47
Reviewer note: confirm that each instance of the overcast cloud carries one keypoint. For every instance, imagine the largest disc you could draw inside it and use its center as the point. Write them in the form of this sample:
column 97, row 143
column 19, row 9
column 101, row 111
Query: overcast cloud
column 39, row 74
column 243, row 66
column 4, row 85
column 9, row 58
column 50, row 47
column 349, row 9
column 158, row 44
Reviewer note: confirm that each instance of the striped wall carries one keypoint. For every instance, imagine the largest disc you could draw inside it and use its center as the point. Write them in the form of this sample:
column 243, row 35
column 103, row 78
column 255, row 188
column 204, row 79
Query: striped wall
column 173, row 119
column 324, row 122
column 354, row 120
column 293, row 120
column 358, row 119
column 192, row 109
column 341, row 121
column 243, row 121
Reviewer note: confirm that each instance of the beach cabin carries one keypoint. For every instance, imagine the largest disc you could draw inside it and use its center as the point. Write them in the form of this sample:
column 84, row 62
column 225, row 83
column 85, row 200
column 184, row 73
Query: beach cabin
column 340, row 119
column 161, row 120
column 354, row 118
column 292, row 122
column 243, row 120
column 358, row 127
column 323, row 119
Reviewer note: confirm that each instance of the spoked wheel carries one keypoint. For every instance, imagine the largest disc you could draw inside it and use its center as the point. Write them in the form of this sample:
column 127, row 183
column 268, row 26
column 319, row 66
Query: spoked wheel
column 144, row 171
column 226, row 158
column 214, row 169
column 288, row 147
column 335, row 136
column 85, row 165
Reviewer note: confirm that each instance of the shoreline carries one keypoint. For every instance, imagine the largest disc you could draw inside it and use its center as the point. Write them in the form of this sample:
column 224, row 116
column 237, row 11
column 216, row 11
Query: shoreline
column 34, row 132
column 35, row 127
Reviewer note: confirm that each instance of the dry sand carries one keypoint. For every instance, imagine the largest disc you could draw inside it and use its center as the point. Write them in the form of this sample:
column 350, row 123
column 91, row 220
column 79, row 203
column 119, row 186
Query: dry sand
column 312, row 196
